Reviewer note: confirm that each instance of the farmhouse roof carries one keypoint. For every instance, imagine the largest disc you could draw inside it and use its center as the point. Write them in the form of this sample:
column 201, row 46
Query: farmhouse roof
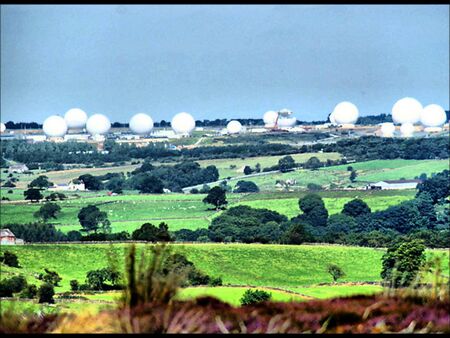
column 401, row 181
column 17, row 166
column 6, row 233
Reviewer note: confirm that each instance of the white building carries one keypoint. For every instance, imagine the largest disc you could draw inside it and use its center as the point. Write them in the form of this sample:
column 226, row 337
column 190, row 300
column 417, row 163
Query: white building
column 68, row 187
column 17, row 169
column 393, row 184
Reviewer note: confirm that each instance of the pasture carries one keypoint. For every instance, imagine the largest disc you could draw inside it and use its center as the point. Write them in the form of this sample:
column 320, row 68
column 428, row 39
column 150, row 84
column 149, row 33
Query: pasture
column 251, row 265
column 129, row 211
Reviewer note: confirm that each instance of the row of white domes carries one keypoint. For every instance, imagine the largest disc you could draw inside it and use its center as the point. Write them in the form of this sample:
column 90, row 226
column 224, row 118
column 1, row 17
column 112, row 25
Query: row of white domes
column 99, row 124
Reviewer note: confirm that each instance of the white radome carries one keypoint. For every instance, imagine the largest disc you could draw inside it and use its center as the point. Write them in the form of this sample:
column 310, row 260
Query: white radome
column 98, row 124
column 345, row 113
column 141, row 123
column 55, row 126
column 332, row 119
column 270, row 118
column 234, row 127
column 433, row 115
column 2, row 127
column 406, row 110
column 75, row 118
column 183, row 123
column 407, row 129
column 287, row 122
column 387, row 129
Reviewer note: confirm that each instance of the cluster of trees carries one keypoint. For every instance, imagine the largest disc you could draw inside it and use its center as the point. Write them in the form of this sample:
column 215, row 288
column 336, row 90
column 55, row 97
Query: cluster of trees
column 355, row 225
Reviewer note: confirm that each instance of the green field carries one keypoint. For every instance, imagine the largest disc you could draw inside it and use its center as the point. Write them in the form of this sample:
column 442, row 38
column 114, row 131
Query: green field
column 283, row 266
column 223, row 165
column 332, row 291
column 128, row 212
column 378, row 170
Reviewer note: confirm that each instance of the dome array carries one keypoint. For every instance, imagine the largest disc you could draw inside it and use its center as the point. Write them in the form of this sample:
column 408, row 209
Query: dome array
column 2, row 127
column 287, row 122
column 234, row 127
column 75, row 118
column 387, row 129
column 183, row 123
column 270, row 117
column 406, row 110
column 55, row 126
column 407, row 129
column 345, row 113
column 433, row 115
column 98, row 124
column 141, row 123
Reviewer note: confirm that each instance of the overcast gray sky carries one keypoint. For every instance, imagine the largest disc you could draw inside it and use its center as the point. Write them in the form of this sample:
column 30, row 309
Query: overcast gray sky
column 235, row 61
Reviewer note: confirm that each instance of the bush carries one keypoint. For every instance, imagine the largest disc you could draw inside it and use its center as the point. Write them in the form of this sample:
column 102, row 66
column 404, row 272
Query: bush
column 12, row 285
column 50, row 277
column 46, row 293
column 29, row 292
column 10, row 259
column 251, row 297
column 335, row 271
column 216, row 281
column 74, row 285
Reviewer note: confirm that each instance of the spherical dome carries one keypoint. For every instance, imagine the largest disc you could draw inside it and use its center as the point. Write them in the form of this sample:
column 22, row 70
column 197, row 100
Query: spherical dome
column 183, row 123
column 387, row 129
column 55, row 126
column 345, row 113
column 270, row 117
column 332, row 119
column 75, row 118
column 141, row 123
column 2, row 127
column 407, row 129
column 234, row 127
column 406, row 110
column 98, row 124
column 287, row 122
column 433, row 115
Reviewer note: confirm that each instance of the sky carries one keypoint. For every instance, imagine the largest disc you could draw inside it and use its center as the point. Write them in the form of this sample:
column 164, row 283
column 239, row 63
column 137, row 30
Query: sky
column 227, row 61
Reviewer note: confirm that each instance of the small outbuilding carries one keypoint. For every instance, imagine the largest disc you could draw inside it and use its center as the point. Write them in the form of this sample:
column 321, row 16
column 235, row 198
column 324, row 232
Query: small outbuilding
column 17, row 169
column 7, row 237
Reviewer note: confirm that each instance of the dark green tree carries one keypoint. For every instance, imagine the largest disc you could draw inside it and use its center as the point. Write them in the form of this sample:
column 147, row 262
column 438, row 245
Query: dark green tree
column 47, row 211
column 355, row 208
column 10, row 258
column 251, row 297
column 40, row 182
column 46, row 293
column 91, row 182
column 151, row 185
column 247, row 170
column 313, row 163
column 246, row 186
column 90, row 218
column 33, row 194
column 402, row 262
column 286, row 163
column 353, row 176
column 314, row 211
column 217, row 197
column 335, row 271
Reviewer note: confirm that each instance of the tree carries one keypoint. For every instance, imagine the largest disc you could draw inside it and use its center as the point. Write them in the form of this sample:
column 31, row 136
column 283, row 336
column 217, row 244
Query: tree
column 251, row 297
column 355, row 208
column 246, row 186
column 296, row 234
column 438, row 186
column 29, row 292
column 151, row 185
column 12, row 285
column 90, row 217
column 74, row 285
column 47, row 211
column 40, row 182
column 286, row 163
column 247, row 170
column 335, row 271
column 402, row 262
column 314, row 211
column 258, row 168
column 46, row 293
column 10, row 259
column 313, row 163
column 217, row 197
column 353, row 175
column 349, row 168
column 313, row 187
column 91, row 182
column 33, row 194
column 149, row 232
column 51, row 277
